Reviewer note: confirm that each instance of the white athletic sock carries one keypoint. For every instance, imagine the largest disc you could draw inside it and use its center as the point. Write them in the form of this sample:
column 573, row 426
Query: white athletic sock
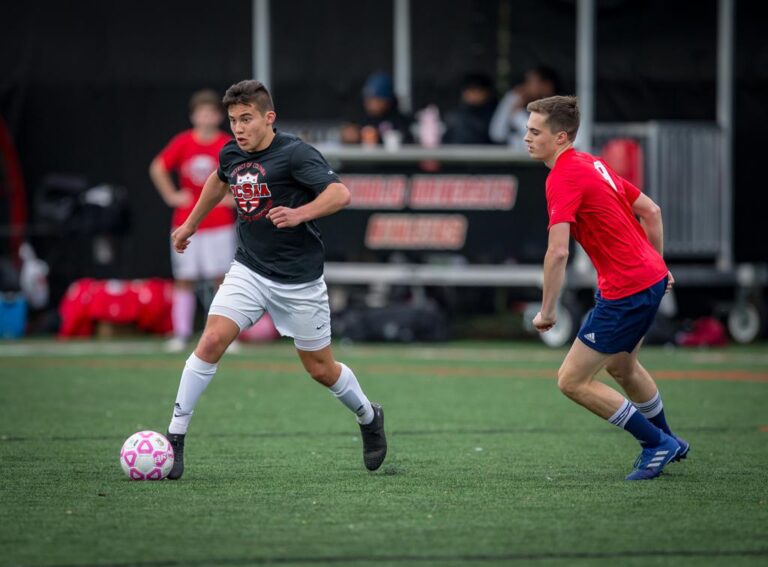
column 348, row 391
column 183, row 312
column 622, row 415
column 195, row 378
column 652, row 407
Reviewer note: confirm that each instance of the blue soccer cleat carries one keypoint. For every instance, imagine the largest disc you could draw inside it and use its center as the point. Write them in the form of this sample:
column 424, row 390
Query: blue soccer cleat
column 653, row 459
column 684, row 448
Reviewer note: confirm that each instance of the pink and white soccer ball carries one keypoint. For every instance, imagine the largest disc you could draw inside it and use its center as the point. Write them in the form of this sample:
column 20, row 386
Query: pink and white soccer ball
column 146, row 455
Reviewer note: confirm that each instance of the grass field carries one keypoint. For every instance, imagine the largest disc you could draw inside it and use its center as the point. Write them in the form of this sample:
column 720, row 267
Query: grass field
column 488, row 463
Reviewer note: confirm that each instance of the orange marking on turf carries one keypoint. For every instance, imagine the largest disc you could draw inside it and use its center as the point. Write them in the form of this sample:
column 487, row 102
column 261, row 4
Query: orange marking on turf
column 693, row 375
column 764, row 429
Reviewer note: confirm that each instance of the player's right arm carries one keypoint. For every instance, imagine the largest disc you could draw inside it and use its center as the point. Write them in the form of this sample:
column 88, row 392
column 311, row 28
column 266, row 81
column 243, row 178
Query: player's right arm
column 555, row 261
column 214, row 191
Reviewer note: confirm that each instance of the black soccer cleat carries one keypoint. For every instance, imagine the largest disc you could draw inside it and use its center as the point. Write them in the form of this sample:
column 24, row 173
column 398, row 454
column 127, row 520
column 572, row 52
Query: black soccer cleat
column 177, row 442
column 374, row 440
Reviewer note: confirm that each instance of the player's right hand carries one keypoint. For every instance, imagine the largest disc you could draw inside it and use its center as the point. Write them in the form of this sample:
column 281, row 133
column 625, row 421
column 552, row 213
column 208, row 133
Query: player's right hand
column 180, row 238
column 543, row 324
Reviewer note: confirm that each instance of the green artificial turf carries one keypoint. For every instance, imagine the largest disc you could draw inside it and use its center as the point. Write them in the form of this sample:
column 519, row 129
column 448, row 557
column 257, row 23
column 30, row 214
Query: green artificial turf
column 488, row 462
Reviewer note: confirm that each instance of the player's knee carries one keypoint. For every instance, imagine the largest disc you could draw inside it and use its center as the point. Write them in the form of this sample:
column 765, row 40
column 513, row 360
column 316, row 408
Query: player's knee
column 567, row 388
column 568, row 384
column 322, row 373
column 211, row 346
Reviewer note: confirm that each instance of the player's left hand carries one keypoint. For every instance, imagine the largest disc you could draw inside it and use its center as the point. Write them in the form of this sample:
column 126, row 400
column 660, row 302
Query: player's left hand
column 542, row 323
column 285, row 217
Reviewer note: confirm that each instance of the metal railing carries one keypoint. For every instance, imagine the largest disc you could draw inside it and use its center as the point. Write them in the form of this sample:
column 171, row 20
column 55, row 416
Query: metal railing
column 682, row 172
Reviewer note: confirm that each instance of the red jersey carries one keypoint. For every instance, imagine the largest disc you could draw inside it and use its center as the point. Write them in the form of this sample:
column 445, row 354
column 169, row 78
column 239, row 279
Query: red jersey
column 194, row 161
column 583, row 191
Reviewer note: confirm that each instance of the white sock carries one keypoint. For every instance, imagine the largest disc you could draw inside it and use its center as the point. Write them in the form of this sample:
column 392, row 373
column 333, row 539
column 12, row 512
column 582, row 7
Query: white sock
column 348, row 391
column 622, row 415
column 195, row 378
column 652, row 407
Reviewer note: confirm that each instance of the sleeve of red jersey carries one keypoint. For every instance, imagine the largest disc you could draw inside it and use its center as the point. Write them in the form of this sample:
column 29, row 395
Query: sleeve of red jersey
column 630, row 190
column 563, row 200
column 170, row 155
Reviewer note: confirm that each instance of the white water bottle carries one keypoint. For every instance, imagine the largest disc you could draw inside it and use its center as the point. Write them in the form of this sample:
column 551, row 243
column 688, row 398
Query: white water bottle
column 430, row 127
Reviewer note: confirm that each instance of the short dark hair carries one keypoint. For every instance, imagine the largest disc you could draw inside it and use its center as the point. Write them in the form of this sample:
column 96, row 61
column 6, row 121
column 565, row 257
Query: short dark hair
column 203, row 97
column 562, row 113
column 249, row 92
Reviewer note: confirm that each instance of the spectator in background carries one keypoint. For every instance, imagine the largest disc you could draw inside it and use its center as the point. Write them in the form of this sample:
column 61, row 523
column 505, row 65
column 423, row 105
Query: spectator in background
column 508, row 125
column 381, row 114
column 193, row 155
column 469, row 123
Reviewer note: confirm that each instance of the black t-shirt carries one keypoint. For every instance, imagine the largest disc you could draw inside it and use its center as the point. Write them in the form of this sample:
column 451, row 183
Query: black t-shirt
column 289, row 173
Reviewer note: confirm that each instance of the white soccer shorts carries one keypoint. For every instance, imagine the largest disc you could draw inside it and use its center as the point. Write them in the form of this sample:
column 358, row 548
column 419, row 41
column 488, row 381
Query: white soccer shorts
column 208, row 255
column 300, row 310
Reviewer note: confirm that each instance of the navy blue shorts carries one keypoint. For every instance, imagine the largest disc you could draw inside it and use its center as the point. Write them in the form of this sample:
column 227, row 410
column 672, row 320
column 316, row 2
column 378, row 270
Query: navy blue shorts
column 618, row 325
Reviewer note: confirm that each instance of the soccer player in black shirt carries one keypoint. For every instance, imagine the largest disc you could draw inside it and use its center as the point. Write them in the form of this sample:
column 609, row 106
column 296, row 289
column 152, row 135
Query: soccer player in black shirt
column 280, row 185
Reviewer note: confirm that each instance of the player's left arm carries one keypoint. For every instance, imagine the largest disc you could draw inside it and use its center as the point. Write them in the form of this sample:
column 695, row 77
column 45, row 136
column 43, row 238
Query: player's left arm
column 309, row 169
column 650, row 219
column 555, row 262
column 334, row 198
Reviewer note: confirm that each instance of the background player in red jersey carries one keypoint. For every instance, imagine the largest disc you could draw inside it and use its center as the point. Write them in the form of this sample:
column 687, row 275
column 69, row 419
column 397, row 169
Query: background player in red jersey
column 600, row 209
column 192, row 155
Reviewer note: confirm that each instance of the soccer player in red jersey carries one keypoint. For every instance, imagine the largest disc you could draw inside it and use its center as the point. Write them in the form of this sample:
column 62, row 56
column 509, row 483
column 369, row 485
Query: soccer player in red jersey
column 588, row 201
column 193, row 154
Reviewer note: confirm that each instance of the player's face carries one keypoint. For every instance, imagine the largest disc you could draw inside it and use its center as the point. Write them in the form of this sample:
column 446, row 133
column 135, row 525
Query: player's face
column 251, row 128
column 541, row 142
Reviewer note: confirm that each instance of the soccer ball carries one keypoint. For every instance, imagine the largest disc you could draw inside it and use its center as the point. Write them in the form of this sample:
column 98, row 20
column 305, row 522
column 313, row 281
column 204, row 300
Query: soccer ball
column 146, row 455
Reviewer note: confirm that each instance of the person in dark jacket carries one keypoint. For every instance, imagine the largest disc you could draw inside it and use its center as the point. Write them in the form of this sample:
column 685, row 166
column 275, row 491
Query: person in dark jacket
column 381, row 114
column 468, row 124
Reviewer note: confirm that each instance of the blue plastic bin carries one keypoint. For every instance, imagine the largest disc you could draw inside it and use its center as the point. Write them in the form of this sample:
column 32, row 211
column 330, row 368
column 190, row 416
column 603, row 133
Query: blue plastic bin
column 13, row 315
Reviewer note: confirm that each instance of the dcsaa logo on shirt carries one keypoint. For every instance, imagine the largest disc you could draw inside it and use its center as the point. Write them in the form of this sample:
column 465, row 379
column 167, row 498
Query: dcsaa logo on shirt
column 248, row 191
